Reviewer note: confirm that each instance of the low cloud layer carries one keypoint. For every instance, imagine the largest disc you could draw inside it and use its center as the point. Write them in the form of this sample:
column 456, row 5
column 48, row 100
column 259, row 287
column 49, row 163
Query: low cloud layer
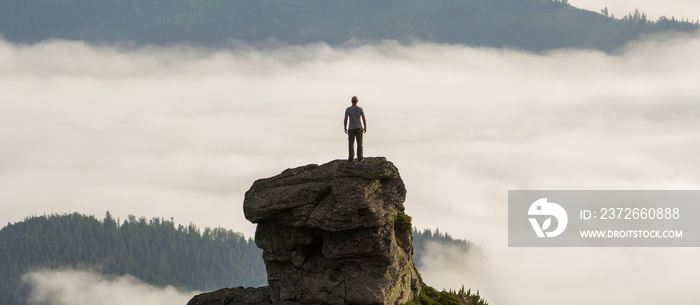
column 81, row 287
column 183, row 132
column 575, row 276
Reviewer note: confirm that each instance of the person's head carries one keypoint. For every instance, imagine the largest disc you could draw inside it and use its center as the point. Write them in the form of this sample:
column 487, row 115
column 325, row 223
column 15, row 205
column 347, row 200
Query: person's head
column 354, row 100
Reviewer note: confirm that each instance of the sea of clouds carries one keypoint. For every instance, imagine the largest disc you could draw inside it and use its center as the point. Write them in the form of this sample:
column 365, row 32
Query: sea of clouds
column 183, row 132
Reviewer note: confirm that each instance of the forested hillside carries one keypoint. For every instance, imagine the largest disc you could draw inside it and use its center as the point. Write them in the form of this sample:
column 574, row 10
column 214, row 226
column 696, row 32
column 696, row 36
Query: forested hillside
column 155, row 251
column 421, row 239
column 526, row 24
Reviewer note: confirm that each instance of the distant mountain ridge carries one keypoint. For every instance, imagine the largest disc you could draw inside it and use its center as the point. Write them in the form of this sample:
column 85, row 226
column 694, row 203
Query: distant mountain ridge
column 534, row 25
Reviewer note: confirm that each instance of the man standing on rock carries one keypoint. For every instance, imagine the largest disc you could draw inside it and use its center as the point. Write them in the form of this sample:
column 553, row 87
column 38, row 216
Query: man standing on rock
column 355, row 129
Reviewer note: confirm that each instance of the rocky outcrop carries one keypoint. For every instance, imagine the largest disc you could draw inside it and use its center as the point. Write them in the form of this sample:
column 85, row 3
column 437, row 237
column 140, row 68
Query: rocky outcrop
column 234, row 296
column 329, row 234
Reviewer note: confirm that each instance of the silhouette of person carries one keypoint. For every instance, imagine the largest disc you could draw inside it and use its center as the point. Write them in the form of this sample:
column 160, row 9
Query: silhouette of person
column 355, row 129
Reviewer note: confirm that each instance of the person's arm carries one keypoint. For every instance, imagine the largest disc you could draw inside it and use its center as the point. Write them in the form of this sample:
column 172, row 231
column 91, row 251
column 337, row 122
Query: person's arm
column 345, row 123
column 364, row 122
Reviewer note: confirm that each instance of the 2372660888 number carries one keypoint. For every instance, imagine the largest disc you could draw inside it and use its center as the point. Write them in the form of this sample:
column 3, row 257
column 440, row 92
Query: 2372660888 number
column 640, row 213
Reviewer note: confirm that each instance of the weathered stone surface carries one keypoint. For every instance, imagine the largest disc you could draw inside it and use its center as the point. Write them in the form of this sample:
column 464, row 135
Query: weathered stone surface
column 234, row 296
column 328, row 236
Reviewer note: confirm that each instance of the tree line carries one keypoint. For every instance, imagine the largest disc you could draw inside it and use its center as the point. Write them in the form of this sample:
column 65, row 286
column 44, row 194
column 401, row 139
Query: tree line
column 156, row 251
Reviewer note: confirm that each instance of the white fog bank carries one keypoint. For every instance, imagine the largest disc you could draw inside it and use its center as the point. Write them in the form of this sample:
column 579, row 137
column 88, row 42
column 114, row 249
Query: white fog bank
column 183, row 132
column 82, row 287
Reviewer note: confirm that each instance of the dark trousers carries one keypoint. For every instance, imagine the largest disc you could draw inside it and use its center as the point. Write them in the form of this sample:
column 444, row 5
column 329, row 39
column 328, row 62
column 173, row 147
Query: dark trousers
column 352, row 135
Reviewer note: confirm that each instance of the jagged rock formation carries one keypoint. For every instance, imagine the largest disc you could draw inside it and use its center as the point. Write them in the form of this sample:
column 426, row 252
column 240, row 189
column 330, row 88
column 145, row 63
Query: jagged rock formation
column 329, row 236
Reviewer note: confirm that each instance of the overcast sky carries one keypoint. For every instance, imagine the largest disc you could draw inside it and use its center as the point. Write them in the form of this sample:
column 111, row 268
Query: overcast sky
column 183, row 132
column 681, row 9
